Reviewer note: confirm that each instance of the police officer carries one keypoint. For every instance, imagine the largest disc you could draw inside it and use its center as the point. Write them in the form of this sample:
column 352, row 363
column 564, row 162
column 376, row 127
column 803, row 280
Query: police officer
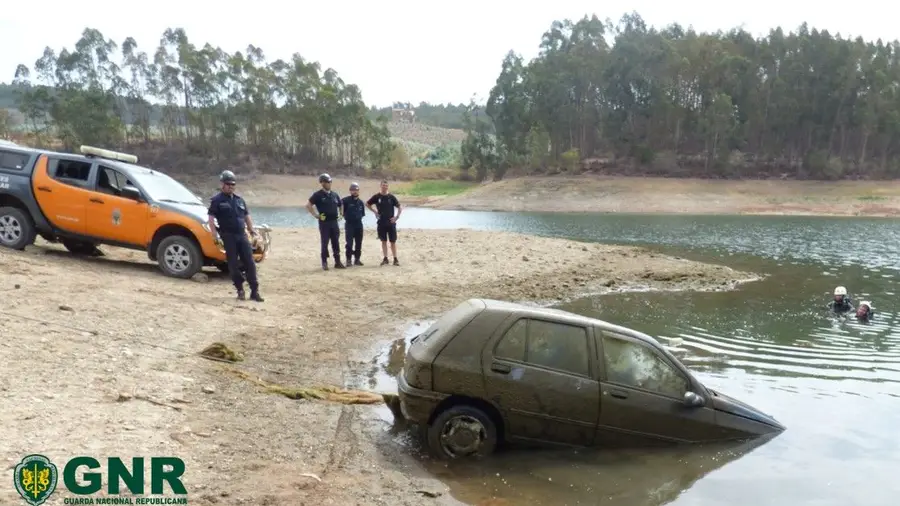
column 233, row 216
column 327, row 210
column 353, row 210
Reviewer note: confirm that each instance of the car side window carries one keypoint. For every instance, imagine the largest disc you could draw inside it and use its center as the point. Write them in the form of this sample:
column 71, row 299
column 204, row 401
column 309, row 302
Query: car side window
column 70, row 172
column 111, row 181
column 512, row 344
column 12, row 160
column 558, row 346
column 636, row 365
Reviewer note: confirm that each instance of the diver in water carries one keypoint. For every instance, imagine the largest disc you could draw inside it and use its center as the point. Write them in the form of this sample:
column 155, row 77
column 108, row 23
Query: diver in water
column 865, row 312
column 841, row 302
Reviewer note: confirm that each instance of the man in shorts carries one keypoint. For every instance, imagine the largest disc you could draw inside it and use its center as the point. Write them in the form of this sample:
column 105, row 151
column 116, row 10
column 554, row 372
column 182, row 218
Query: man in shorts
column 384, row 204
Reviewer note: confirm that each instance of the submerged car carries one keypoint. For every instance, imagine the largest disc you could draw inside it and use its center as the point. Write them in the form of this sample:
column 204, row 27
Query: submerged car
column 490, row 371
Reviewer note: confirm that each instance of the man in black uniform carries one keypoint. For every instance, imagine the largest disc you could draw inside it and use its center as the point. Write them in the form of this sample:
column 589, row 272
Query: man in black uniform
column 353, row 210
column 328, row 205
column 233, row 216
column 387, row 223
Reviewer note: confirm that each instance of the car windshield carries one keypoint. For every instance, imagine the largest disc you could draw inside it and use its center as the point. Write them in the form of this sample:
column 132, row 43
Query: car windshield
column 163, row 188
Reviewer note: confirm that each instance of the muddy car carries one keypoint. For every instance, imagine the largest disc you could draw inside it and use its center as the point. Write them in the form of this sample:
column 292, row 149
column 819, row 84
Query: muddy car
column 491, row 371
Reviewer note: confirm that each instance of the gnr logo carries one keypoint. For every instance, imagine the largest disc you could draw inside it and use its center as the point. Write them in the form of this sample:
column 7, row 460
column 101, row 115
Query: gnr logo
column 36, row 480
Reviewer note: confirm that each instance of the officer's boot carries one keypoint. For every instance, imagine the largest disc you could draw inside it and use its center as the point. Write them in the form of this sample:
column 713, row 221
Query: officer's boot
column 254, row 295
column 357, row 262
column 350, row 260
column 337, row 263
column 240, row 294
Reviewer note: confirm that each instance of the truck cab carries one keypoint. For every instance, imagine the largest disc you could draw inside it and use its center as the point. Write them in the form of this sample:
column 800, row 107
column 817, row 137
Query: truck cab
column 104, row 197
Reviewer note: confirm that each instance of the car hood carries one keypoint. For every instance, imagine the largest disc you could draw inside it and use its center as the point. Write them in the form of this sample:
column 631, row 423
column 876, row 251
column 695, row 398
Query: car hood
column 728, row 404
column 198, row 212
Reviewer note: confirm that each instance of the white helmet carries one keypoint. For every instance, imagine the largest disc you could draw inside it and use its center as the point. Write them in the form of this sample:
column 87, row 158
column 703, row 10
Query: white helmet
column 866, row 303
column 840, row 291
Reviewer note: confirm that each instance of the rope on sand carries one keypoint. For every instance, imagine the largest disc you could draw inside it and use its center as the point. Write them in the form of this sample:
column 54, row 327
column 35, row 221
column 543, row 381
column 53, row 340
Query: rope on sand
column 318, row 393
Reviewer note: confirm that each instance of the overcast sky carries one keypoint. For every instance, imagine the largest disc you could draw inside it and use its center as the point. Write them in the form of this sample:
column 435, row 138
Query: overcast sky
column 398, row 50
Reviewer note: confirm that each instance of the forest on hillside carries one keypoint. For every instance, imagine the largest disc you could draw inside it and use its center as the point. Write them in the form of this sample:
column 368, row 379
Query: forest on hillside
column 675, row 102
column 215, row 105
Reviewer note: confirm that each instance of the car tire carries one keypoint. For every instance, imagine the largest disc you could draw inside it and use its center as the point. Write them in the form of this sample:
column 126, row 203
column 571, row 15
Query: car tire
column 16, row 228
column 462, row 431
column 179, row 257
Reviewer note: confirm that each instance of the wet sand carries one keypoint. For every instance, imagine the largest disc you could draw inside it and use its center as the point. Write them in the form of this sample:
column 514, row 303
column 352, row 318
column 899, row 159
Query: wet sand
column 115, row 346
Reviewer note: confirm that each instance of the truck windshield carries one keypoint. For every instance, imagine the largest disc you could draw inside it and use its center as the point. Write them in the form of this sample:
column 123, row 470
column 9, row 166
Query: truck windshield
column 163, row 188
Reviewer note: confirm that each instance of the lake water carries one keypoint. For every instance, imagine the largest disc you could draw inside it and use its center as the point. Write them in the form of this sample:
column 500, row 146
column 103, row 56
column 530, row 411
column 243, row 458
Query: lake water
column 834, row 383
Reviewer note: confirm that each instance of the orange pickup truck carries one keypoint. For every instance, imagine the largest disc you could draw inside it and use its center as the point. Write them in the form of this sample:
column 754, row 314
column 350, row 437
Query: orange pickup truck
column 104, row 197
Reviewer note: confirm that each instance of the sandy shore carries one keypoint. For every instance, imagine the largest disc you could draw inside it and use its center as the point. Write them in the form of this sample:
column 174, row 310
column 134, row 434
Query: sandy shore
column 99, row 355
column 619, row 194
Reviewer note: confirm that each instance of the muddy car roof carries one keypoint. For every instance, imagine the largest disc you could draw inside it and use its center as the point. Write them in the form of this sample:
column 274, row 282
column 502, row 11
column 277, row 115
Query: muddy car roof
column 560, row 315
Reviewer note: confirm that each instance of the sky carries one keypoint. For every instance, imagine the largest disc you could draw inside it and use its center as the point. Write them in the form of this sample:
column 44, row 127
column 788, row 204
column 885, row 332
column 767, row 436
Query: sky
column 398, row 50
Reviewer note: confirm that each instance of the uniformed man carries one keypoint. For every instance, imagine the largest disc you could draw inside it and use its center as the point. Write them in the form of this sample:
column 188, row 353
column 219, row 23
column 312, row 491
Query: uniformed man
column 353, row 209
column 233, row 215
column 385, row 203
column 327, row 210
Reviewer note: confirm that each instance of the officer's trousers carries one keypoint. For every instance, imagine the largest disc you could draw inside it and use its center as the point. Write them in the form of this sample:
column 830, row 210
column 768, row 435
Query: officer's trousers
column 353, row 232
column 329, row 231
column 240, row 253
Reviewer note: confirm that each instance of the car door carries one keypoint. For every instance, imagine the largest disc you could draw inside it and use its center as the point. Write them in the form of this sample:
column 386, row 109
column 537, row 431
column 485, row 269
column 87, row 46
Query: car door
column 642, row 396
column 61, row 189
column 539, row 374
column 114, row 218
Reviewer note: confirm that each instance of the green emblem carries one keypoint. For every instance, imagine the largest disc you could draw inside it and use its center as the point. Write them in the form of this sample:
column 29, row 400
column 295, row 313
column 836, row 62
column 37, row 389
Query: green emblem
column 35, row 479
column 117, row 217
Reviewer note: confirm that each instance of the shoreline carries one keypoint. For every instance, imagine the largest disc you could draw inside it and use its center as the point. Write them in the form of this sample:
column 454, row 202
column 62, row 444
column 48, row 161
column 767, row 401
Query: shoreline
column 107, row 353
column 606, row 194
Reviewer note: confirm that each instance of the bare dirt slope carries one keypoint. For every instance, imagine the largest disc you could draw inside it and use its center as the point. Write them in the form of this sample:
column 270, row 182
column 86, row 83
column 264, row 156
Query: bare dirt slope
column 693, row 196
column 99, row 355
column 611, row 194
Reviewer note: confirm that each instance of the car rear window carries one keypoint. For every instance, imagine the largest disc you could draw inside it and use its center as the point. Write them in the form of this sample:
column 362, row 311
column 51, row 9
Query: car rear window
column 464, row 312
column 12, row 160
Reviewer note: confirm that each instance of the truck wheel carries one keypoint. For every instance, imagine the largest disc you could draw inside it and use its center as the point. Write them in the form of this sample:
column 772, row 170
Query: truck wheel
column 16, row 229
column 462, row 432
column 179, row 257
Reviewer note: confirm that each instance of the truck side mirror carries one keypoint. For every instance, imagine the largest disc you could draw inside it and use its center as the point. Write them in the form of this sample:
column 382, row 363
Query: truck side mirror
column 130, row 192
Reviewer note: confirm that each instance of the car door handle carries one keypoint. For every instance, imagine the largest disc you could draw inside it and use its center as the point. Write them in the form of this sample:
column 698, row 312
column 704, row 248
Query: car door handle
column 618, row 394
column 96, row 200
column 44, row 189
column 501, row 368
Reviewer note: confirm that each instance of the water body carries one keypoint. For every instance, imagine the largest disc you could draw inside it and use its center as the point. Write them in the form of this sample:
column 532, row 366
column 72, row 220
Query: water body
column 834, row 382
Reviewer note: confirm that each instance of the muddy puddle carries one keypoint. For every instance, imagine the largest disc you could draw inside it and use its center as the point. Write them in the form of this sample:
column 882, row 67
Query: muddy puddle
column 542, row 476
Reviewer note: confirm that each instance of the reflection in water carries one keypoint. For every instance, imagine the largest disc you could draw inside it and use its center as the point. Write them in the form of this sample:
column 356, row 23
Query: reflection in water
column 833, row 381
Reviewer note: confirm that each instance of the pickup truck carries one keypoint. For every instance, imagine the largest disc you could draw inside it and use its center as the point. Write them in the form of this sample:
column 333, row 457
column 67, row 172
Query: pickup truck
column 104, row 197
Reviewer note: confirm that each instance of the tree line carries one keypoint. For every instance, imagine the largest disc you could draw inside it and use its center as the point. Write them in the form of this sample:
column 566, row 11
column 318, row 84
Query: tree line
column 675, row 102
column 213, row 103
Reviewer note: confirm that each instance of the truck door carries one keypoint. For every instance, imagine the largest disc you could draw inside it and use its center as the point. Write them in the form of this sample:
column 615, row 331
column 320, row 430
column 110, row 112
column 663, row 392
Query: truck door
column 114, row 218
column 61, row 189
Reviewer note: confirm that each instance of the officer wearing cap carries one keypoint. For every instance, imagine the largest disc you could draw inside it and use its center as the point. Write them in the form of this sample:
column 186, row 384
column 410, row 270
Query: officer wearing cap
column 327, row 211
column 353, row 210
column 233, row 215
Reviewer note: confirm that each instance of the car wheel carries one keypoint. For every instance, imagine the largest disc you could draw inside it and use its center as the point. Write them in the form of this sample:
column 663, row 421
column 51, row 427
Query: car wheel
column 179, row 257
column 79, row 247
column 16, row 229
column 462, row 432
